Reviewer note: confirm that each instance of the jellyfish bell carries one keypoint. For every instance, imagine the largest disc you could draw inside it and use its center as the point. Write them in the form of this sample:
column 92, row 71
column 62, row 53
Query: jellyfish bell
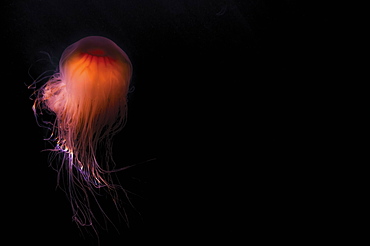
column 95, row 72
column 88, row 97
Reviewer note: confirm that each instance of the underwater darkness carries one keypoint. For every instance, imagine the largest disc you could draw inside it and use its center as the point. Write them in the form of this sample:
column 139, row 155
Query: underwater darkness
column 216, row 84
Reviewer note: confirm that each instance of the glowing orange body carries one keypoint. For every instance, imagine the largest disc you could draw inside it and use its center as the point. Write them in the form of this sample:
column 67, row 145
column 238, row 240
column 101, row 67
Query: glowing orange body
column 97, row 81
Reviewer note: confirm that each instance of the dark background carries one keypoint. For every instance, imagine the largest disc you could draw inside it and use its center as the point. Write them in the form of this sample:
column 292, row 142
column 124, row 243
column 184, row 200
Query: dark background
column 219, row 91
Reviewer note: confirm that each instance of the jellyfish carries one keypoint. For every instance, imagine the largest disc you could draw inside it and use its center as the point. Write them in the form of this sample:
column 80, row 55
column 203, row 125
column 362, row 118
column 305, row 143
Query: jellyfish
column 87, row 98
